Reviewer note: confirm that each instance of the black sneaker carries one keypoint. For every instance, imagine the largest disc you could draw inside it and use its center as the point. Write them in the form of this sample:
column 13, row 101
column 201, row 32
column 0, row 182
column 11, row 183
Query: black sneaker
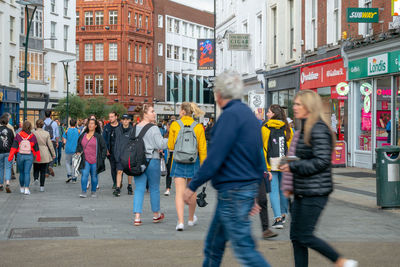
column 283, row 219
column 117, row 192
column 68, row 179
column 74, row 180
column 130, row 192
column 114, row 186
column 278, row 224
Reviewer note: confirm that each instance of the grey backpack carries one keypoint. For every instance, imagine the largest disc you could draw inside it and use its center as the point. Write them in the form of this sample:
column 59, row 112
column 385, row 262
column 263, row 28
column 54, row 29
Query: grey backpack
column 186, row 144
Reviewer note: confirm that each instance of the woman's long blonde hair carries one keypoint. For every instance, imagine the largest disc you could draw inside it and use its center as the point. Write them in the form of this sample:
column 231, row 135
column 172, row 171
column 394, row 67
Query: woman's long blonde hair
column 313, row 104
column 192, row 109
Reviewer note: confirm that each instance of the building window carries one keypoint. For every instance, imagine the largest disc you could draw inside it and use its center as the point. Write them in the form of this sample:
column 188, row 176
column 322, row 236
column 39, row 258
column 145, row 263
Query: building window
column 145, row 86
column 185, row 28
column 113, row 84
column 368, row 26
column 88, row 84
column 141, row 2
column 98, row 85
column 176, row 26
column 129, row 18
column 89, row 18
column 53, row 26
column 140, row 54
column 184, row 54
column 160, row 49
column 160, row 79
column 12, row 62
column 146, row 22
column 53, row 6
column 22, row 29
column 113, row 17
column 77, row 84
column 135, row 19
column 99, row 17
column 129, row 52
column 88, row 52
column 77, row 51
column 198, row 29
column 37, row 24
column 99, row 52
column 113, row 51
column 169, row 24
column 53, row 83
column 12, row 24
column 146, row 56
column 135, row 53
column 66, row 8
column 160, row 21
column 192, row 30
column 140, row 85
column 274, row 36
column 291, row 28
column 65, row 38
column 337, row 21
column 169, row 51
column 35, row 64
column 135, row 85
column 191, row 55
column 129, row 84
column 314, row 24
column 77, row 18
column 140, row 21
column 176, row 52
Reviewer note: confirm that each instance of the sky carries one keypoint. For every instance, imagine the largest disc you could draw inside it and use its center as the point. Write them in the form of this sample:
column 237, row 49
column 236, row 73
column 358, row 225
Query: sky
column 199, row 4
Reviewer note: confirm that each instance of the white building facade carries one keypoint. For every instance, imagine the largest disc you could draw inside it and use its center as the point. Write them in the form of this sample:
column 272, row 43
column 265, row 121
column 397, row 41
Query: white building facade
column 9, row 58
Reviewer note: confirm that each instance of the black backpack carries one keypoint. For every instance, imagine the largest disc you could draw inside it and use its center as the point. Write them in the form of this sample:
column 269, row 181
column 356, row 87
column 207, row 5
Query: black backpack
column 49, row 129
column 133, row 156
column 277, row 145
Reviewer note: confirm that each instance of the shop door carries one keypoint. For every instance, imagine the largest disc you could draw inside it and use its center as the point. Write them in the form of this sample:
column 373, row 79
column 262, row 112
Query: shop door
column 395, row 121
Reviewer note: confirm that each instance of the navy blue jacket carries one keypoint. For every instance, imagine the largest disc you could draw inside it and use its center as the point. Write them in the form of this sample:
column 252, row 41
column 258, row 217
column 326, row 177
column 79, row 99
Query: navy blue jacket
column 107, row 135
column 233, row 159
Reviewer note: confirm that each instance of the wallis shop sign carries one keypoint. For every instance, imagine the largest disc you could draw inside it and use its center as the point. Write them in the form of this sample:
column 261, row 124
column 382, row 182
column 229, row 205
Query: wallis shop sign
column 363, row 15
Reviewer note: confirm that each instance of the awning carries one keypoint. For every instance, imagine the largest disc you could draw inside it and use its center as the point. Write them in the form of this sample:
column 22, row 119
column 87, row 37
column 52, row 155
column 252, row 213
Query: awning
column 131, row 108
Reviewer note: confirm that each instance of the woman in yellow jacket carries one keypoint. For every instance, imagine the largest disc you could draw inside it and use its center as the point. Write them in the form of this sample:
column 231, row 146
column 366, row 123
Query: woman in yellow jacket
column 184, row 172
column 276, row 135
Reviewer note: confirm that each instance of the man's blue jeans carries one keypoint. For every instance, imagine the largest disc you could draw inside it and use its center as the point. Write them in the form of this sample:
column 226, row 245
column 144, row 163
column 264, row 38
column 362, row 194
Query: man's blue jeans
column 278, row 200
column 5, row 167
column 24, row 162
column 152, row 175
column 92, row 170
column 232, row 223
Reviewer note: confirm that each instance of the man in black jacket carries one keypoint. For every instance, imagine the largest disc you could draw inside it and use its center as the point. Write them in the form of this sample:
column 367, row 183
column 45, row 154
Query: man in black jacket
column 122, row 136
column 109, row 138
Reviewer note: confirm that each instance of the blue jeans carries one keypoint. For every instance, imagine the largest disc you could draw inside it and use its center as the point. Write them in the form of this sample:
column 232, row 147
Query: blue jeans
column 59, row 152
column 232, row 223
column 5, row 167
column 24, row 162
column 92, row 170
column 152, row 175
column 279, row 202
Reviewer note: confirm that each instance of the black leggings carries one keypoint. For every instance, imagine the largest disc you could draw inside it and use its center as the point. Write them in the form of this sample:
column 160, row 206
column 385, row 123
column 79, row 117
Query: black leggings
column 263, row 202
column 40, row 168
column 169, row 179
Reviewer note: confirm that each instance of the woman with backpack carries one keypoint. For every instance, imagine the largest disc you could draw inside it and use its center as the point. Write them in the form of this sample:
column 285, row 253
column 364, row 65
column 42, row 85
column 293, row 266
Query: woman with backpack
column 47, row 154
column 93, row 151
column 312, row 179
column 153, row 143
column 187, row 140
column 277, row 135
column 25, row 146
column 7, row 138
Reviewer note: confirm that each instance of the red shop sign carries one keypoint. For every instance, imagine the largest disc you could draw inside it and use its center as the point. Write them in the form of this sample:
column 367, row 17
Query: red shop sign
column 322, row 75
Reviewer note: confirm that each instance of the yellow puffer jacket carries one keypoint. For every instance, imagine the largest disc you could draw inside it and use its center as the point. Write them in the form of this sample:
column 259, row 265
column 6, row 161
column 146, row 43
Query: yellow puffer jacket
column 277, row 124
column 198, row 130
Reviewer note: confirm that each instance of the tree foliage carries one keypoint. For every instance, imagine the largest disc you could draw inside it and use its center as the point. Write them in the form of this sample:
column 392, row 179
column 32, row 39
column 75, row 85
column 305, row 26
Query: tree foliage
column 119, row 108
column 97, row 106
column 76, row 107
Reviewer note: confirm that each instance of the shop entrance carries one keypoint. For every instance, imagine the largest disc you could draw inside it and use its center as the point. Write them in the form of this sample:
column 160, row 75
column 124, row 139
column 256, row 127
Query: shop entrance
column 383, row 112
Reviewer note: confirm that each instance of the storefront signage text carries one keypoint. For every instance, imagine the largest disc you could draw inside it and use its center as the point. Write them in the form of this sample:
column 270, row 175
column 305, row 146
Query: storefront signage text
column 308, row 77
column 239, row 41
column 378, row 64
column 325, row 74
column 271, row 83
column 363, row 15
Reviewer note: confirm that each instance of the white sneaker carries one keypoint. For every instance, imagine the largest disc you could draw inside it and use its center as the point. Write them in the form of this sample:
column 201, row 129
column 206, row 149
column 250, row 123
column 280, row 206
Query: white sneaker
column 42, row 189
column 180, row 227
column 22, row 190
column 194, row 222
column 350, row 263
column 167, row 193
column 27, row 192
column 88, row 185
column 36, row 182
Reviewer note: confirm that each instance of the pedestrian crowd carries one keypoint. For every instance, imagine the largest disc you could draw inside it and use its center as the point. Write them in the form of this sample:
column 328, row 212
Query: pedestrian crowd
column 244, row 158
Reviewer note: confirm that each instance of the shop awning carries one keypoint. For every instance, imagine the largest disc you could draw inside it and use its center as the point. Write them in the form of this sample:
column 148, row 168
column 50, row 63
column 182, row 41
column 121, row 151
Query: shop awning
column 317, row 61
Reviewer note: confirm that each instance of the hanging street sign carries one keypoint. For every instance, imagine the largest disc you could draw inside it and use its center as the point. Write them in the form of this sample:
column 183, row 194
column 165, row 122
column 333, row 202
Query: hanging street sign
column 239, row 41
column 24, row 74
column 362, row 15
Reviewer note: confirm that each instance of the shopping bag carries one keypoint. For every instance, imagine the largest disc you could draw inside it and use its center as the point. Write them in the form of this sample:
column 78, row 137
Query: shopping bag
column 163, row 167
column 76, row 162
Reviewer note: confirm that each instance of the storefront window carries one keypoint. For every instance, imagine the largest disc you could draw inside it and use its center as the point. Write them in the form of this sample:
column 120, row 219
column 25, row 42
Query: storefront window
column 397, row 117
column 285, row 99
column 383, row 111
column 364, row 99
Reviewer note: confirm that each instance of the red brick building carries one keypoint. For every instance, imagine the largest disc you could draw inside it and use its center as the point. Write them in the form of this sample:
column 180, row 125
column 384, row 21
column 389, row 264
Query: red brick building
column 114, row 42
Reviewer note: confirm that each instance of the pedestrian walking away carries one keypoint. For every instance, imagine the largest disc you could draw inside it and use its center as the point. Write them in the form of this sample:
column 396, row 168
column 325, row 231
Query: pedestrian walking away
column 26, row 148
column 312, row 179
column 187, row 138
column 60, row 144
column 70, row 139
column 109, row 138
column 123, row 135
column 277, row 135
column 93, row 151
column 168, row 179
column 153, row 143
column 6, row 138
column 52, row 128
column 235, row 167
column 47, row 154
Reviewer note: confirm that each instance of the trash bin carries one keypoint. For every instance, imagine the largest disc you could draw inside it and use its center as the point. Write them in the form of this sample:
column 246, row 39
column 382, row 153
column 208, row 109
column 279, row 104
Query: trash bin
column 388, row 176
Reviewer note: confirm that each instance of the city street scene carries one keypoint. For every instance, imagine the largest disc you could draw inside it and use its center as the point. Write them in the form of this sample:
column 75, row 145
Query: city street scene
column 200, row 133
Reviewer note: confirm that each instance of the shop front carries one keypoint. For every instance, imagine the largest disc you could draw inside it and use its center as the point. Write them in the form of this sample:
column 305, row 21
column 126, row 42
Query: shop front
column 374, row 75
column 9, row 102
column 328, row 79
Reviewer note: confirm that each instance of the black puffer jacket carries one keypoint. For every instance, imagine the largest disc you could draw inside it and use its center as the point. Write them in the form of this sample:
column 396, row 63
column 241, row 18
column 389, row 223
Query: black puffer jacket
column 312, row 174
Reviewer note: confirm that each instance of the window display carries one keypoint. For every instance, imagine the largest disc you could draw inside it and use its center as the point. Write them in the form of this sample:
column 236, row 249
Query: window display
column 363, row 97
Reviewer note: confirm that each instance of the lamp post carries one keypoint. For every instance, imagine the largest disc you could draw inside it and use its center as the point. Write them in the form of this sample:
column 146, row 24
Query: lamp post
column 65, row 65
column 29, row 24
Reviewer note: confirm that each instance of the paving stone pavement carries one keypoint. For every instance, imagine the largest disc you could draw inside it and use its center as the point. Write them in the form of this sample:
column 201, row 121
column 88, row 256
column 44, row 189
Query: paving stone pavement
column 350, row 220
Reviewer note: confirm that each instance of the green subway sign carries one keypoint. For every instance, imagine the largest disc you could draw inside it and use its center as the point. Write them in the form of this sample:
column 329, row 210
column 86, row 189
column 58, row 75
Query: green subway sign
column 363, row 15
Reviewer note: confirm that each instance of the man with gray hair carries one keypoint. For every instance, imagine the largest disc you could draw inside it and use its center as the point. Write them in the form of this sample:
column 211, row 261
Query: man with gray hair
column 235, row 167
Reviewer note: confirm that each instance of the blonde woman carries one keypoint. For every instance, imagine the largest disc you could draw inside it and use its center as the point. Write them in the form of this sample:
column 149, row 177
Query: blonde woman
column 312, row 179
column 184, row 172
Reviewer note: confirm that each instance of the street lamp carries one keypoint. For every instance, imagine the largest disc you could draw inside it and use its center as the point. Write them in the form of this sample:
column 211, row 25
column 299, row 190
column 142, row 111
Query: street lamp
column 65, row 65
column 29, row 23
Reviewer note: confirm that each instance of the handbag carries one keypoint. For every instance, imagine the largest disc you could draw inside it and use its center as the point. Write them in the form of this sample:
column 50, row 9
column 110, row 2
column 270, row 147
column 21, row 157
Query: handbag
column 201, row 198
column 77, row 159
column 163, row 167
